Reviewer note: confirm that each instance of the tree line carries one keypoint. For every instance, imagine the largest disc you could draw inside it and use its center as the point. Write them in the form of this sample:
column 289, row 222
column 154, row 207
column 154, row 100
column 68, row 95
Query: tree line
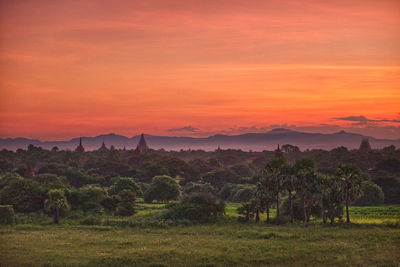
column 301, row 182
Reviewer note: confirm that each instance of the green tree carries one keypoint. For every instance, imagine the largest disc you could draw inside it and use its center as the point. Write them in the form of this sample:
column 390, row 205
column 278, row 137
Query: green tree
column 57, row 203
column 125, row 183
column 351, row 180
column 163, row 188
column 273, row 178
column 289, row 184
column 332, row 198
column 264, row 196
column 26, row 195
column 372, row 195
column 247, row 210
column 305, row 173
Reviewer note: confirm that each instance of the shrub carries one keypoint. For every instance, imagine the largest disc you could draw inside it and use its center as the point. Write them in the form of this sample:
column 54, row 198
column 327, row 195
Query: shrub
column 372, row 195
column 126, row 206
column 391, row 188
column 237, row 192
column 7, row 214
column 198, row 207
column 91, row 197
column 246, row 210
column 24, row 195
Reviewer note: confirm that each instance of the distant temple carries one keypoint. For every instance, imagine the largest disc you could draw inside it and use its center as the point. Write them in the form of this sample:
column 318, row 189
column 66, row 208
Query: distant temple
column 103, row 148
column 80, row 148
column 365, row 146
column 278, row 152
column 142, row 145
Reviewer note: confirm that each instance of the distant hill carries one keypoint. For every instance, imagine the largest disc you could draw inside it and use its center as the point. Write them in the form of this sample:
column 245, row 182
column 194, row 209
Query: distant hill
column 248, row 141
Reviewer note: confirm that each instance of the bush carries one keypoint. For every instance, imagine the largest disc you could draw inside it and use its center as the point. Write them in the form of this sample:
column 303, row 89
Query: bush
column 372, row 195
column 391, row 188
column 7, row 214
column 92, row 197
column 24, row 195
column 198, row 207
column 246, row 210
column 126, row 206
column 237, row 192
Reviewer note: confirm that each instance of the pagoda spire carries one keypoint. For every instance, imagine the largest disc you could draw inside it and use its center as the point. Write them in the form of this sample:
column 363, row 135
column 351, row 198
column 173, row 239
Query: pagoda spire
column 142, row 145
column 80, row 148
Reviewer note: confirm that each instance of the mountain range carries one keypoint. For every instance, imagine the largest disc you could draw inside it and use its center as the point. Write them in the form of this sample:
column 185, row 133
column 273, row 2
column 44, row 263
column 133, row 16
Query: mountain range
column 249, row 141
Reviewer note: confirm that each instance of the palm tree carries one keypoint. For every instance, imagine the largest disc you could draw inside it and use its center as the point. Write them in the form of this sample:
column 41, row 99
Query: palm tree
column 264, row 195
column 332, row 198
column 289, row 183
column 259, row 197
column 273, row 179
column 305, row 172
column 351, row 180
column 56, row 203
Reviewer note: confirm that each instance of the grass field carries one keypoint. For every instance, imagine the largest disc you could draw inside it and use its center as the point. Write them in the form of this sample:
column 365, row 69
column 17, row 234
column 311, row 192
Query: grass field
column 373, row 240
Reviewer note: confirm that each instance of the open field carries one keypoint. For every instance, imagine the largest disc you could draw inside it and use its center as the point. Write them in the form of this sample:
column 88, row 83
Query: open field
column 373, row 240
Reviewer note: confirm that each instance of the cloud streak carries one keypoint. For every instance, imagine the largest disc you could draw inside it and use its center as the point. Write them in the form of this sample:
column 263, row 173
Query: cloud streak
column 187, row 129
column 362, row 119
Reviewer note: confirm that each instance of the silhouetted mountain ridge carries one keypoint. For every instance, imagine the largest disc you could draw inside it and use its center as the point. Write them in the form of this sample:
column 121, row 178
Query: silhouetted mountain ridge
column 248, row 141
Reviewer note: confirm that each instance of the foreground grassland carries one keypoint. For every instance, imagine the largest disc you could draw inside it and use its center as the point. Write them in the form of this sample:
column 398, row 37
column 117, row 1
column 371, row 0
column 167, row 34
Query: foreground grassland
column 373, row 240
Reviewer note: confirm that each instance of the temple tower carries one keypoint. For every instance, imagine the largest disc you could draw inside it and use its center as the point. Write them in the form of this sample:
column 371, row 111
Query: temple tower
column 142, row 145
column 365, row 146
column 80, row 148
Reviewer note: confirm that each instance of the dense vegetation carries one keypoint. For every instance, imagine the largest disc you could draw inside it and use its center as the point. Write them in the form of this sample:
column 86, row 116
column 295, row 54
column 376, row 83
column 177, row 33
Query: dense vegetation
column 305, row 184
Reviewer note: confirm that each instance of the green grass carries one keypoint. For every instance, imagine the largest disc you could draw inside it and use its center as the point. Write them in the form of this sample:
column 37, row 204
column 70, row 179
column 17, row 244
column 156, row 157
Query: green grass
column 368, row 242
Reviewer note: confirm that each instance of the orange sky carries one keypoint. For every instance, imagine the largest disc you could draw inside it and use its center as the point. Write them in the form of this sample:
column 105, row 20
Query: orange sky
column 71, row 68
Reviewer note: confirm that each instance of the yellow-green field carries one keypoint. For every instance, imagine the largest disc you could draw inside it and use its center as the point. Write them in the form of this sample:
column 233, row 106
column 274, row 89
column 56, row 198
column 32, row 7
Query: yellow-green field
column 372, row 240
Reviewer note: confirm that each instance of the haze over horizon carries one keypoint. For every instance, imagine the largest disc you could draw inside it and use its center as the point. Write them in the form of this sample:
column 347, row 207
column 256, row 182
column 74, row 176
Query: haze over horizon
column 198, row 68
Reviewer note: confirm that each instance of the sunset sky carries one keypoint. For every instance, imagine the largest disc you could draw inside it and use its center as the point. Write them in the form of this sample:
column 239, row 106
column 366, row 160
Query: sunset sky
column 196, row 68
